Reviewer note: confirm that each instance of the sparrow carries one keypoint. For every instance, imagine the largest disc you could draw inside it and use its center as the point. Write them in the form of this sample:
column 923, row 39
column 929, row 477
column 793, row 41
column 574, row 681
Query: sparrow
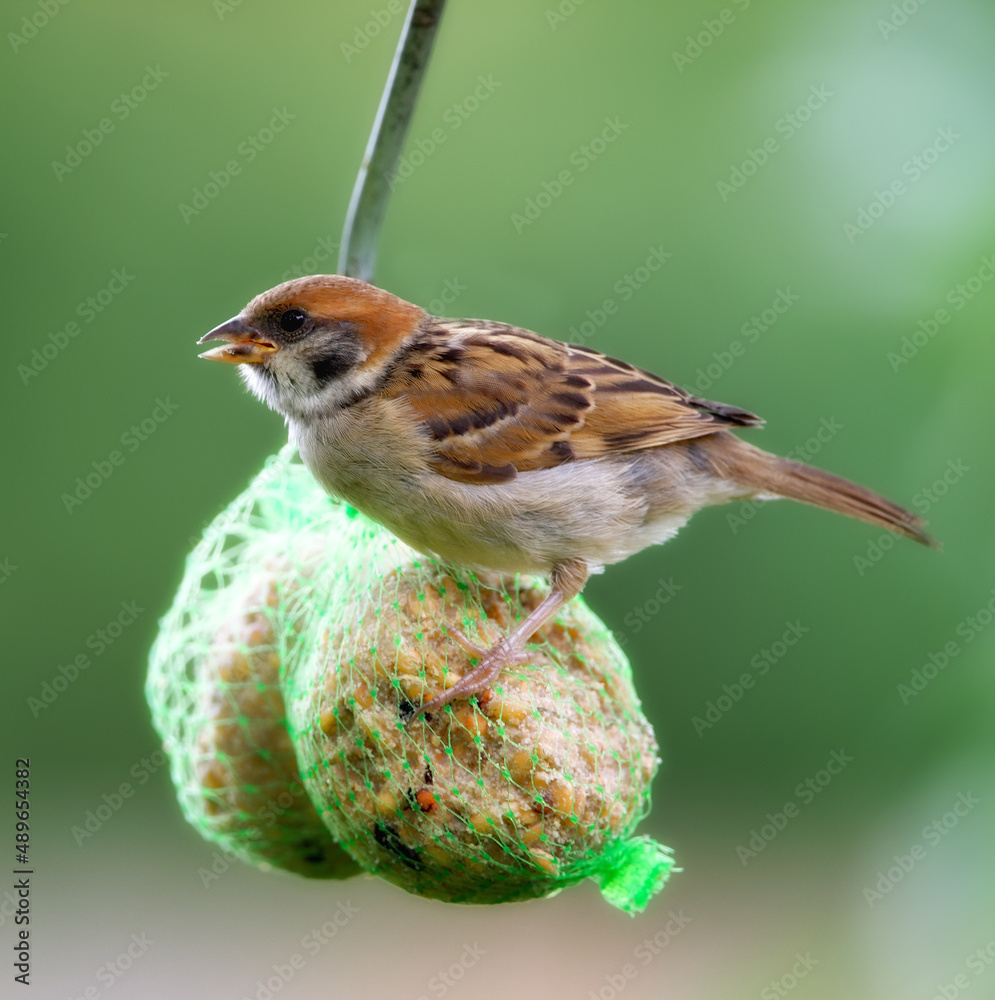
column 493, row 448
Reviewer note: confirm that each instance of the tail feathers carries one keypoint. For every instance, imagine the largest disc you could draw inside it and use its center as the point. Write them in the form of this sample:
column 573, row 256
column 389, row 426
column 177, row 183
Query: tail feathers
column 734, row 459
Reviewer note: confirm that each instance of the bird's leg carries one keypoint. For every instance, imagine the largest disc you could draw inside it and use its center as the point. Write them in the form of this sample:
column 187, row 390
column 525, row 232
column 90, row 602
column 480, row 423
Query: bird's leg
column 567, row 581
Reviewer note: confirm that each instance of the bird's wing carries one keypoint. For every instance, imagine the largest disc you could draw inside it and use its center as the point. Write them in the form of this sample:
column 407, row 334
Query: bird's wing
column 496, row 400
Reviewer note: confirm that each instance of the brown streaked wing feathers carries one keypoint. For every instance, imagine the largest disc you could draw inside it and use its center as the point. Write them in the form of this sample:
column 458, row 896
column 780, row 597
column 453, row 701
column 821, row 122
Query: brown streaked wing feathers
column 496, row 400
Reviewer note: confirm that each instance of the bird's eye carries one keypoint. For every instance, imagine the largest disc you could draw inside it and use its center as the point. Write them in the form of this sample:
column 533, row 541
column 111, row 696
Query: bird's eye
column 292, row 320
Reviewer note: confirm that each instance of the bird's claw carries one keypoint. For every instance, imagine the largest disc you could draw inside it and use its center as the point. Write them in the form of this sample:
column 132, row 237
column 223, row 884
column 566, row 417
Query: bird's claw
column 468, row 645
column 492, row 662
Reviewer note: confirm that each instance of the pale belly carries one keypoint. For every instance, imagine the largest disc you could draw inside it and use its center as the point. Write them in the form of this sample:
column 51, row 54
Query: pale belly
column 600, row 510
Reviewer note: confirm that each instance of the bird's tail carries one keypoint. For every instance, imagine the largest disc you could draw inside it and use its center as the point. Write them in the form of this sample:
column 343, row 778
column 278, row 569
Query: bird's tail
column 735, row 459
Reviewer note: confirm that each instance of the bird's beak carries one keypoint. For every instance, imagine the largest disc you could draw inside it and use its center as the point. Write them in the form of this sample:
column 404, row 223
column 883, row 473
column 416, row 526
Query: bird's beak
column 245, row 345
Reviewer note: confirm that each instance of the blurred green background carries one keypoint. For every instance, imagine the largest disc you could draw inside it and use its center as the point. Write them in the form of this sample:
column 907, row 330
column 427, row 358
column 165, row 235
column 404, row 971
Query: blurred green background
column 866, row 211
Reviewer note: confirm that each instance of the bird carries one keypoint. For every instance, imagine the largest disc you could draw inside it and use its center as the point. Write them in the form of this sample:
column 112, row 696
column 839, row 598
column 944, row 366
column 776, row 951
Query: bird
column 496, row 449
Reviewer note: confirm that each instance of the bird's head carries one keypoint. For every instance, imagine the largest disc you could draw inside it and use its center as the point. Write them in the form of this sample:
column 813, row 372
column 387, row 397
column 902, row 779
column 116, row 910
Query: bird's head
column 315, row 343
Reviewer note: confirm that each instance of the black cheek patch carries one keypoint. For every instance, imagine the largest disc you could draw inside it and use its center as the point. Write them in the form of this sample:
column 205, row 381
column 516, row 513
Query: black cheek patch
column 336, row 360
column 328, row 368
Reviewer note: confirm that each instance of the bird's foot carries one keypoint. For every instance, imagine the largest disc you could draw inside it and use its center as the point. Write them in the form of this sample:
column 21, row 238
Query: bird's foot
column 506, row 653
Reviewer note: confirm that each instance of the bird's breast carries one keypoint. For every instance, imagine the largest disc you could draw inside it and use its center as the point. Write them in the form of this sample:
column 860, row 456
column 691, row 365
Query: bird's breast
column 600, row 510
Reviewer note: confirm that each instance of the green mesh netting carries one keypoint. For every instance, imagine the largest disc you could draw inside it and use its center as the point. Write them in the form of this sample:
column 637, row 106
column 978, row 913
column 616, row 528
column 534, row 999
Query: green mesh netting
column 284, row 682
